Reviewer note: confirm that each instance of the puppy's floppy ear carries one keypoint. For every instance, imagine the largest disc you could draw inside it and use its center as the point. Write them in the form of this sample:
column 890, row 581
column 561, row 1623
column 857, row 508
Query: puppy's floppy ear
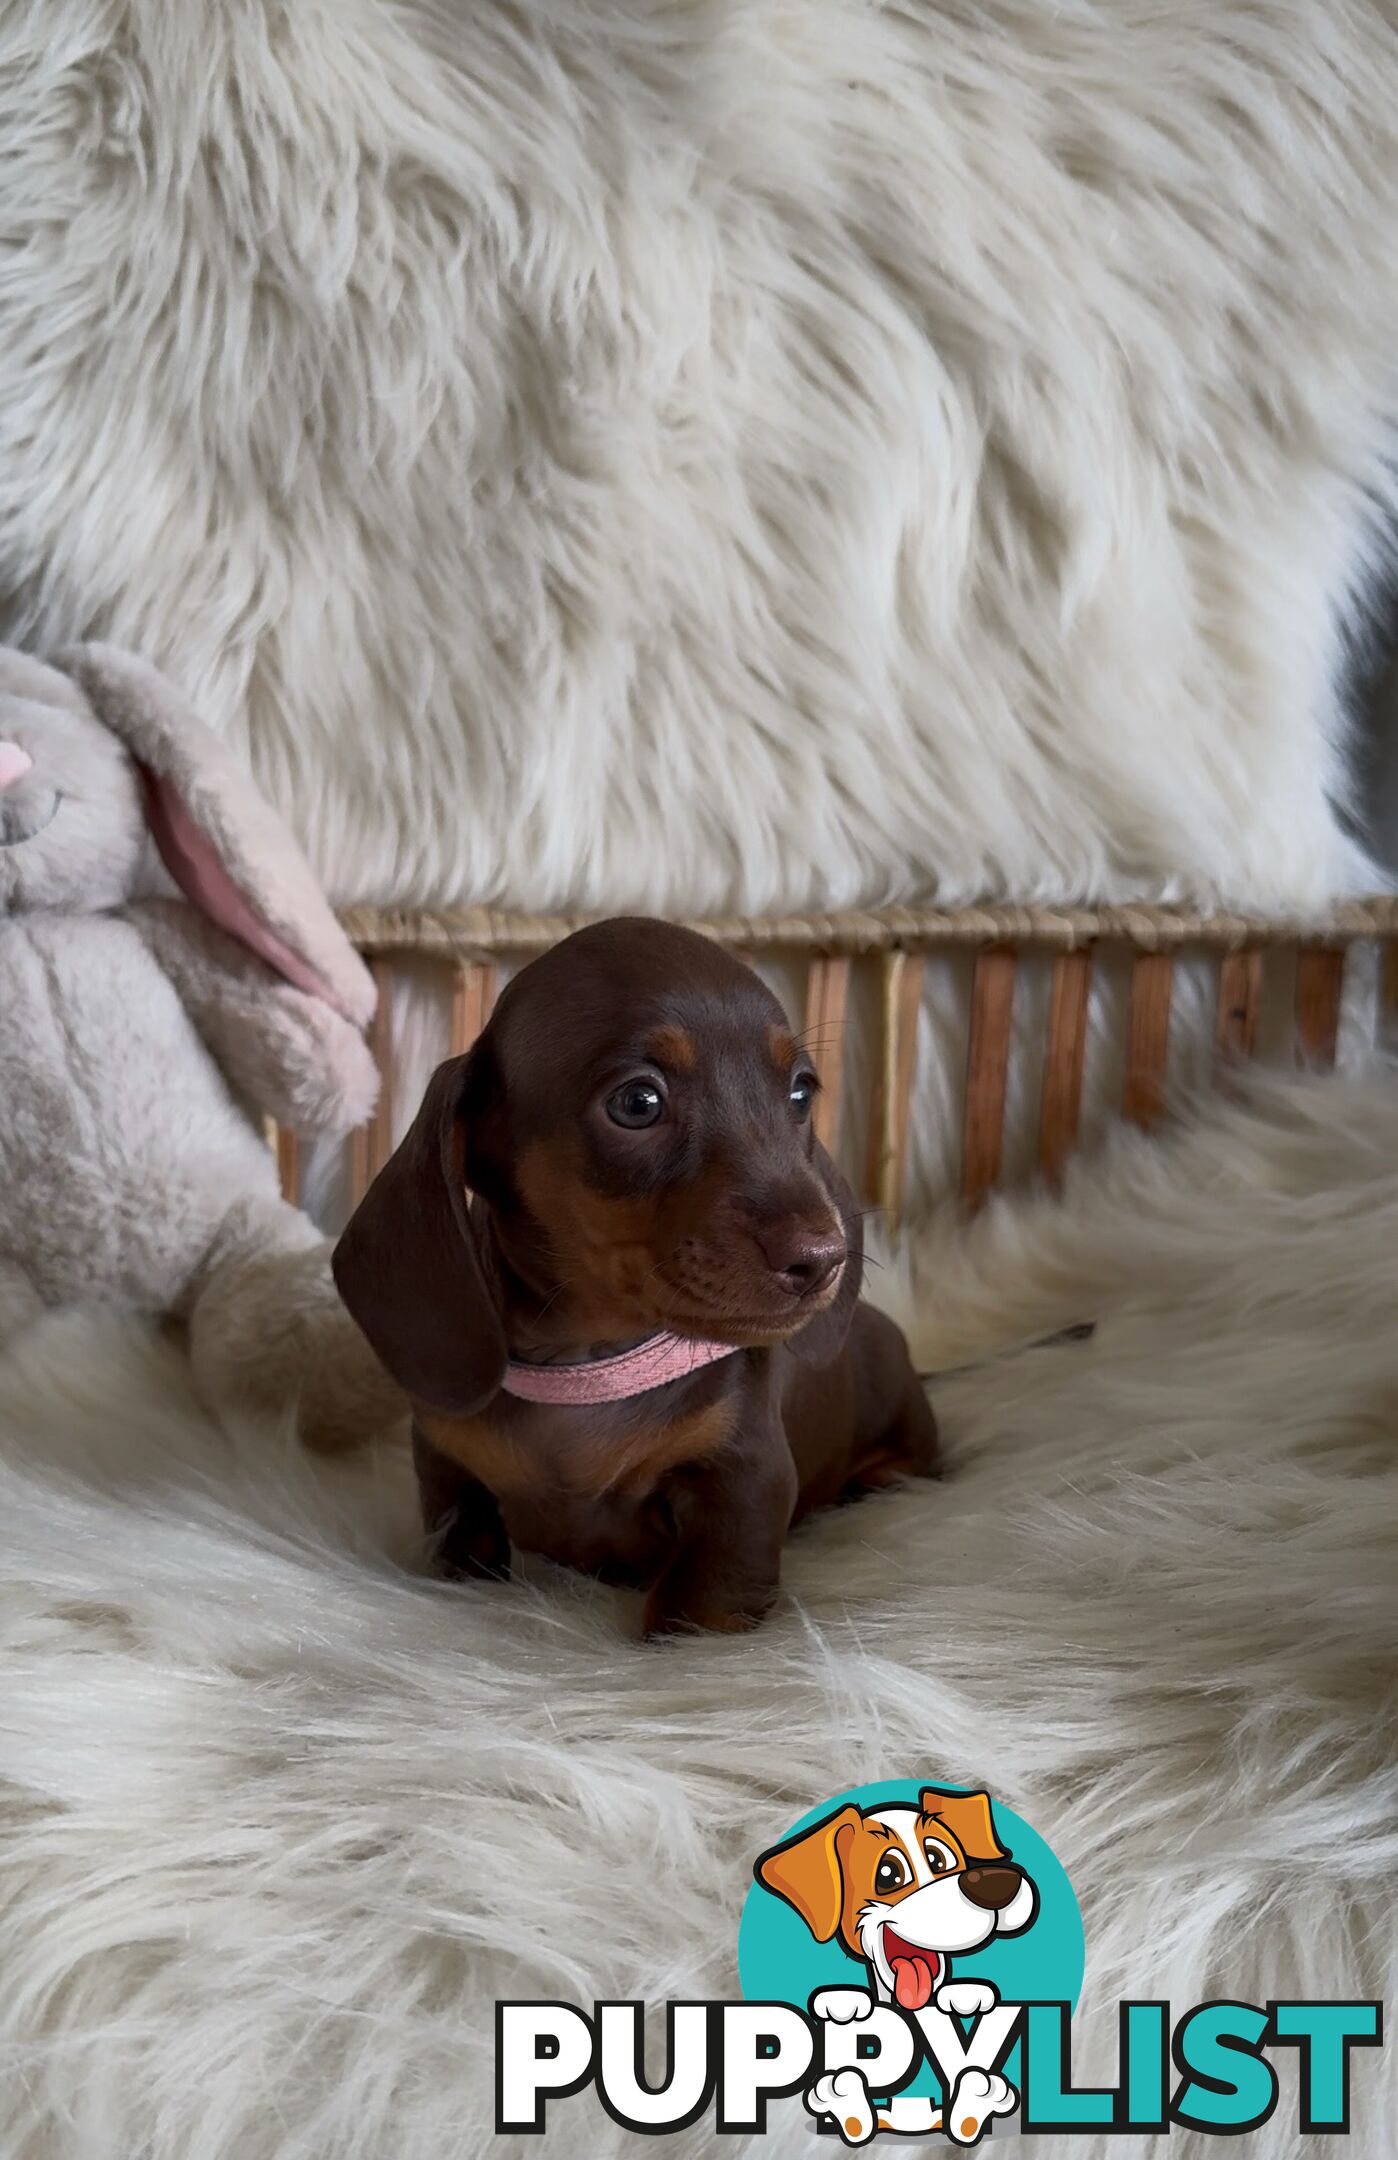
column 409, row 1266
column 807, row 1871
column 823, row 1338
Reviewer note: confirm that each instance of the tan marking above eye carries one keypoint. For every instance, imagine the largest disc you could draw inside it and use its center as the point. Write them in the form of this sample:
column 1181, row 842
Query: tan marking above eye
column 782, row 1044
column 674, row 1047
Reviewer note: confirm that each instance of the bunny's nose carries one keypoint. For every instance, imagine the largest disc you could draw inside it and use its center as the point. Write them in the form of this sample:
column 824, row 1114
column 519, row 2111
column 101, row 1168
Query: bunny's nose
column 14, row 763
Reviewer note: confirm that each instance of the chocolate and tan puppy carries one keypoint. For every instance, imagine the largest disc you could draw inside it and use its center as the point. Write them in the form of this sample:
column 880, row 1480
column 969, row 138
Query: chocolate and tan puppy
column 619, row 1279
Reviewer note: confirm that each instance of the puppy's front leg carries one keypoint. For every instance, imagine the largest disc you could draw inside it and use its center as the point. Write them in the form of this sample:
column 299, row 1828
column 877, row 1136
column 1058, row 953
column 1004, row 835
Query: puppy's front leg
column 732, row 1515
column 460, row 1512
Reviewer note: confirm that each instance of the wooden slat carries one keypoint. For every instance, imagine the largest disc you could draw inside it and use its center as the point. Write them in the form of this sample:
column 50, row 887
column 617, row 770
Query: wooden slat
column 888, row 1133
column 447, row 931
column 1061, row 1096
column 1320, row 975
column 1148, row 1038
column 472, row 1001
column 372, row 1144
column 1239, row 1002
column 987, row 1068
column 289, row 1165
column 827, row 999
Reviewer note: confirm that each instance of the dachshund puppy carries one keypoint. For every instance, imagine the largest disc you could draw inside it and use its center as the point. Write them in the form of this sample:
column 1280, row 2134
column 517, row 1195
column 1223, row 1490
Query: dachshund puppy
column 619, row 1280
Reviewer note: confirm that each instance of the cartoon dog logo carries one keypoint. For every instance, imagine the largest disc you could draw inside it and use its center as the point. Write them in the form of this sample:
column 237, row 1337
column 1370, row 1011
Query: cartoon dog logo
column 906, row 1889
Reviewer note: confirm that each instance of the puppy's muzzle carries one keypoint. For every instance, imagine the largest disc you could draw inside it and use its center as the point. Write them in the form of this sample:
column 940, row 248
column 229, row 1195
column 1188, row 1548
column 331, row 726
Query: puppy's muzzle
column 803, row 1260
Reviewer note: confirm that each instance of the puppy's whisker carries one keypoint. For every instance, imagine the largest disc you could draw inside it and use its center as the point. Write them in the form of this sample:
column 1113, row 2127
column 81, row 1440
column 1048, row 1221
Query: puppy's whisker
column 569, row 1282
column 649, row 1277
column 551, row 1299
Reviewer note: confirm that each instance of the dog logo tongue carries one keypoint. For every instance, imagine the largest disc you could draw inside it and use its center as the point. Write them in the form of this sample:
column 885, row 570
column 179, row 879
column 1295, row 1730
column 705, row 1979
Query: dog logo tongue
column 914, row 1972
column 912, row 1983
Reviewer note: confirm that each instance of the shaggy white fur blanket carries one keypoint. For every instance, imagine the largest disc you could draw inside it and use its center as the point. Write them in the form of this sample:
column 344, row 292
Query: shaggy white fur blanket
column 722, row 454
column 717, row 454
column 282, row 1817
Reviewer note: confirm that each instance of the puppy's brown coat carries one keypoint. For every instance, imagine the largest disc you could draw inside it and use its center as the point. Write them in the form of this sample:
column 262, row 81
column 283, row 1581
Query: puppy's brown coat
column 628, row 1149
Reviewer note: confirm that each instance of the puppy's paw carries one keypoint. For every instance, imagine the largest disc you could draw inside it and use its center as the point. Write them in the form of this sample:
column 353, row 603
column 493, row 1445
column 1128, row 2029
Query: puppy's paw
column 841, row 2006
column 977, row 2097
column 966, row 1998
column 473, row 1552
column 843, row 2095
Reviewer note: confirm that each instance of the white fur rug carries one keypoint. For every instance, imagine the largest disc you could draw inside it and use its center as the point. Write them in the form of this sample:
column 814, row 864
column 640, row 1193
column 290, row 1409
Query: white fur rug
column 718, row 454
column 282, row 1817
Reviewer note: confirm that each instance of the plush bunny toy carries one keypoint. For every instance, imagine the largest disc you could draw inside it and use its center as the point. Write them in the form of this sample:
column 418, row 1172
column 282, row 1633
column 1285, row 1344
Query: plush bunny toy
column 141, row 1034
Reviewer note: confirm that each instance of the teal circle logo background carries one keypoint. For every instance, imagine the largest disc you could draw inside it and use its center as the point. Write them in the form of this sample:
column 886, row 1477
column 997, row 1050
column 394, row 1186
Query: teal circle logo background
column 779, row 1960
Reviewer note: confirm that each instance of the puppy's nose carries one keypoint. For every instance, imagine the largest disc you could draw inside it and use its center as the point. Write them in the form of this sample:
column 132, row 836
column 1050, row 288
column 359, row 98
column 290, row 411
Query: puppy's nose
column 800, row 1257
column 14, row 763
column 990, row 1887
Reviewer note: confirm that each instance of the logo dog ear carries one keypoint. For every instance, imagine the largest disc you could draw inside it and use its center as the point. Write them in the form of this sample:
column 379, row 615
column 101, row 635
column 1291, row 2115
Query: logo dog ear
column 968, row 1817
column 806, row 1871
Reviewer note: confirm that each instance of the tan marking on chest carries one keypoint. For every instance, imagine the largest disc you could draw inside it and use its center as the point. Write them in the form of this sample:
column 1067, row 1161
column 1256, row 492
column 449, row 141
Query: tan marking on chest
column 634, row 1462
column 626, row 1460
column 500, row 1460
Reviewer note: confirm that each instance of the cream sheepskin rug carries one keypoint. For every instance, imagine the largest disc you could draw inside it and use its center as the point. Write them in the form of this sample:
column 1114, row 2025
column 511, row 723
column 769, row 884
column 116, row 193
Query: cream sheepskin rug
column 283, row 1817
column 717, row 454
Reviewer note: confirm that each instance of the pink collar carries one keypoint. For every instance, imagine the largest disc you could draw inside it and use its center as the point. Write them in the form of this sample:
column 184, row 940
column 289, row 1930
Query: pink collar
column 612, row 1379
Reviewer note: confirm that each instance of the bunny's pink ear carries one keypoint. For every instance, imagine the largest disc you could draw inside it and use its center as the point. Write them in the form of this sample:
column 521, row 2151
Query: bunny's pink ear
column 225, row 848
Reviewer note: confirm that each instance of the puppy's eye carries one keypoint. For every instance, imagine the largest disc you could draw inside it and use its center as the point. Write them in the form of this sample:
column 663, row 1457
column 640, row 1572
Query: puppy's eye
column 940, row 1858
column 636, row 1103
column 803, row 1093
column 891, row 1873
